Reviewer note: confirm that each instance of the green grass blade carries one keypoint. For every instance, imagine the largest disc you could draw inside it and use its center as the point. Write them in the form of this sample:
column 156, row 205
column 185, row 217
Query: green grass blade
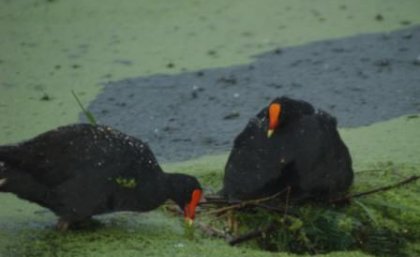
column 367, row 210
column 399, row 207
column 88, row 114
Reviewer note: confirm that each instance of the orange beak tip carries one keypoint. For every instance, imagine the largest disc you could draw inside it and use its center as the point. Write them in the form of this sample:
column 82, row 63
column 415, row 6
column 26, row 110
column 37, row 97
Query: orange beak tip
column 270, row 133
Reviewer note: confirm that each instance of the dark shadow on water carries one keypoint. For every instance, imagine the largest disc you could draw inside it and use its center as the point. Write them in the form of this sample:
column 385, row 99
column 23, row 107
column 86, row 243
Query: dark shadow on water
column 361, row 80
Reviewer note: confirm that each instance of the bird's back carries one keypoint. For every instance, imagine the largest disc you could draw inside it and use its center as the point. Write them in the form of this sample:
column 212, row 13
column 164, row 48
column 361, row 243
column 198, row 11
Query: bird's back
column 78, row 149
column 320, row 157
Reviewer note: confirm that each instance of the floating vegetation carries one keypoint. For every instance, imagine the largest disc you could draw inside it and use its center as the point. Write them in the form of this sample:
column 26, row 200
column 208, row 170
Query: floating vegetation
column 315, row 229
column 381, row 222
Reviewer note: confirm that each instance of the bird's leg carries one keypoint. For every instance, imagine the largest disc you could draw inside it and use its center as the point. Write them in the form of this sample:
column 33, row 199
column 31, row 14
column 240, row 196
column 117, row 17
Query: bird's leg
column 86, row 223
column 63, row 224
column 232, row 222
column 66, row 223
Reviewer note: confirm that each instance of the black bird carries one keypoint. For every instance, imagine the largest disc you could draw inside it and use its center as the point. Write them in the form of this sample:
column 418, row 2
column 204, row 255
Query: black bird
column 288, row 144
column 81, row 170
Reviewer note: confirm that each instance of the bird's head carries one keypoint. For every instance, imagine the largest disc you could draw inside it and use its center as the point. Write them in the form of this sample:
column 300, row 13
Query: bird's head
column 189, row 208
column 274, row 115
column 187, row 193
column 283, row 110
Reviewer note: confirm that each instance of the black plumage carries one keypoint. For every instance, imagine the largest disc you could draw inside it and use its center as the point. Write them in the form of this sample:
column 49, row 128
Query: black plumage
column 304, row 152
column 81, row 170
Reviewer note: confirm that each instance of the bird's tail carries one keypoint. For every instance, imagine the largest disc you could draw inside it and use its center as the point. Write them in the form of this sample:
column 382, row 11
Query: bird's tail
column 22, row 184
column 3, row 175
column 7, row 153
column 3, row 178
column 17, row 181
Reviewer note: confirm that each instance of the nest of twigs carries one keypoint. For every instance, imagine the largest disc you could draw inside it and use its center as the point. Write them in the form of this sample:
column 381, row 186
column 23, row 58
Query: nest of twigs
column 275, row 223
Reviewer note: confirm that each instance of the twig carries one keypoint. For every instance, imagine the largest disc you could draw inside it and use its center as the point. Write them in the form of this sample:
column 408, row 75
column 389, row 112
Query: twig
column 252, row 234
column 270, row 208
column 205, row 228
column 380, row 189
column 213, row 199
column 287, row 200
column 261, row 231
column 218, row 202
column 242, row 204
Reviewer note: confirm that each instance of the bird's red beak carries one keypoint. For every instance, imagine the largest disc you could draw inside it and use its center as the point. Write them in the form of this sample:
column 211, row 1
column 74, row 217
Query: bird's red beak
column 189, row 209
column 274, row 111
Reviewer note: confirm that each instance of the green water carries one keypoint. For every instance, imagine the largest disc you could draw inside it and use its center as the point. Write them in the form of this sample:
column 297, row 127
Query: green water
column 53, row 47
